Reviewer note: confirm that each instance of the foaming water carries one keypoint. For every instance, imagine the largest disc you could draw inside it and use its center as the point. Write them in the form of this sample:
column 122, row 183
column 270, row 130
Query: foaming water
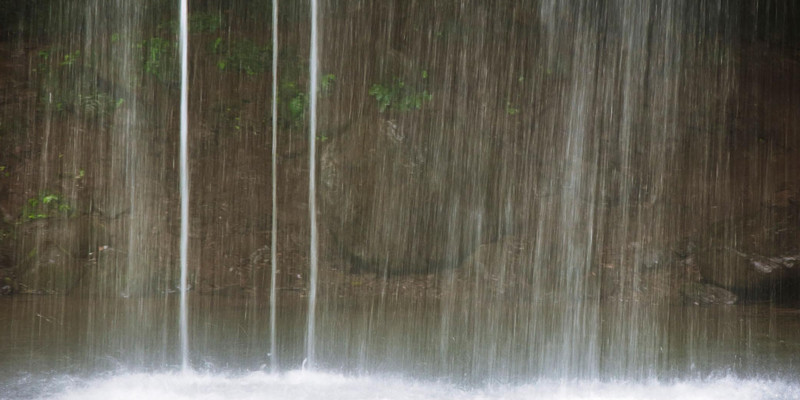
column 303, row 384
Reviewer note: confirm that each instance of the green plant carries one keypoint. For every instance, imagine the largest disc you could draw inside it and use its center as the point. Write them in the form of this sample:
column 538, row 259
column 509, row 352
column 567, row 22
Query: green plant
column 294, row 99
column 293, row 102
column 70, row 58
column 215, row 47
column 242, row 55
column 159, row 58
column 43, row 68
column 46, row 205
column 327, row 84
column 399, row 96
column 510, row 109
column 297, row 106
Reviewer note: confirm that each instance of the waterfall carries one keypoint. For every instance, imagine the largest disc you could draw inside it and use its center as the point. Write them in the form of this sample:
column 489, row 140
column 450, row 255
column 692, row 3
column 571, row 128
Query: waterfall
column 312, row 206
column 184, row 180
column 505, row 199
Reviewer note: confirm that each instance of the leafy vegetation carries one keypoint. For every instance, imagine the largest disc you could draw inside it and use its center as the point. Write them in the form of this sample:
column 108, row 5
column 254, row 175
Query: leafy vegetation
column 294, row 99
column 159, row 58
column 293, row 103
column 327, row 84
column 67, row 86
column 70, row 58
column 46, row 205
column 510, row 109
column 399, row 96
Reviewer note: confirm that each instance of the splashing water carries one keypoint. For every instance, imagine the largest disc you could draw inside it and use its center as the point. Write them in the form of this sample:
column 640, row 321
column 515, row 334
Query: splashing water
column 299, row 385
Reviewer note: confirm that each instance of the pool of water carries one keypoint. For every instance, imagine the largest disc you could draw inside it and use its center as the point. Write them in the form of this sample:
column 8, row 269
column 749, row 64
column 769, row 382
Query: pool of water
column 384, row 348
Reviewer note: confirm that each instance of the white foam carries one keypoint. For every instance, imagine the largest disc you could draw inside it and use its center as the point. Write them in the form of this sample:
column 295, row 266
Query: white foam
column 298, row 385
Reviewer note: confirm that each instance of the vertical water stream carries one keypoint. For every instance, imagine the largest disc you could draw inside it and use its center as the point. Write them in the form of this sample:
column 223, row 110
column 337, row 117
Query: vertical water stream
column 274, row 233
column 312, row 200
column 184, row 181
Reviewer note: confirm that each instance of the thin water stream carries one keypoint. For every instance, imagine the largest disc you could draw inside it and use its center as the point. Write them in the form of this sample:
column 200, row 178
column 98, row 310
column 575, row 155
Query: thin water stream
column 312, row 189
column 184, row 183
column 273, row 289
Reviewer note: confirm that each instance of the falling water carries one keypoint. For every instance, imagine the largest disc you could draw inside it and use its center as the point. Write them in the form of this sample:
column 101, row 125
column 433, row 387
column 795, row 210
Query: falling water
column 514, row 199
column 184, row 183
column 273, row 295
column 312, row 190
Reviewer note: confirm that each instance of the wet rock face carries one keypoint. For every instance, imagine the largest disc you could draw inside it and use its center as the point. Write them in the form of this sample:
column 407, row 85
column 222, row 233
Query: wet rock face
column 501, row 268
column 81, row 255
column 51, row 255
column 703, row 293
column 753, row 255
column 397, row 198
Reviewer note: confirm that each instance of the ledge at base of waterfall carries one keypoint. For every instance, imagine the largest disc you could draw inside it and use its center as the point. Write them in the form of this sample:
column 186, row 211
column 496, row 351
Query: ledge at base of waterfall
column 296, row 385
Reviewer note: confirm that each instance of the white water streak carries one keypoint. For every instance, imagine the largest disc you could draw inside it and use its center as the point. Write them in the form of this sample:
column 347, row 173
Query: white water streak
column 184, row 183
column 274, row 234
column 312, row 206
